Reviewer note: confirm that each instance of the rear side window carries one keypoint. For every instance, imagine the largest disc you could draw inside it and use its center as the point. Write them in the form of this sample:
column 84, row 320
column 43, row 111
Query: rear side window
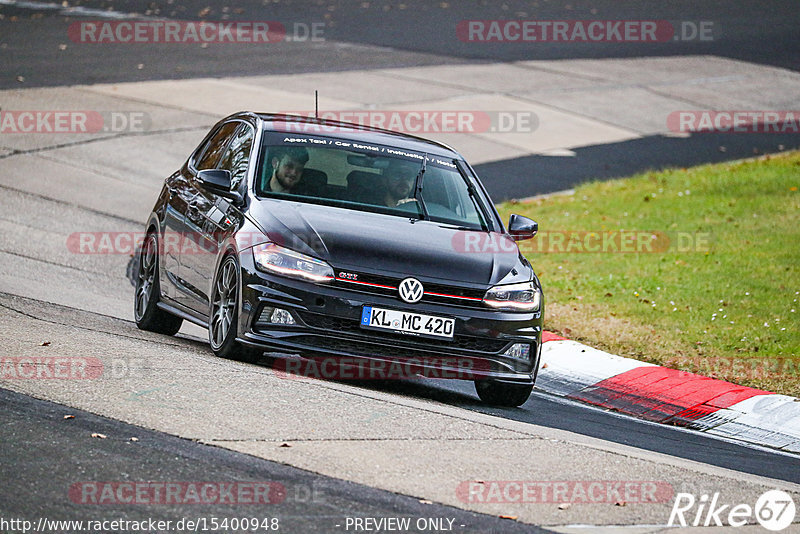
column 212, row 152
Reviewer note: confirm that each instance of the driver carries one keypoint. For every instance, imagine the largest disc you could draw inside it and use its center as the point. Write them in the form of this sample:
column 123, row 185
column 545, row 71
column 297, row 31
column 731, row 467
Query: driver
column 399, row 178
column 287, row 168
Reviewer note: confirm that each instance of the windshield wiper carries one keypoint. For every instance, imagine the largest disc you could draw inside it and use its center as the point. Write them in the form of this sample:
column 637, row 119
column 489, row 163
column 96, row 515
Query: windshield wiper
column 473, row 193
column 418, row 188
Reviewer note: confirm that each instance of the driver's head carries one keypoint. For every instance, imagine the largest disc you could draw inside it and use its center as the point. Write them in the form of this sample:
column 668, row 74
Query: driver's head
column 287, row 166
column 400, row 177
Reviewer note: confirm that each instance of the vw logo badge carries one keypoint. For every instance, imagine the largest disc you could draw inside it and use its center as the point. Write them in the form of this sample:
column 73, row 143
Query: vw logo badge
column 411, row 290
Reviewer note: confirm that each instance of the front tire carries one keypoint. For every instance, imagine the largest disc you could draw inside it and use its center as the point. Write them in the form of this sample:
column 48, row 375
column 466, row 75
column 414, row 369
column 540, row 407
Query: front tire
column 503, row 394
column 148, row 291
column 224, row 315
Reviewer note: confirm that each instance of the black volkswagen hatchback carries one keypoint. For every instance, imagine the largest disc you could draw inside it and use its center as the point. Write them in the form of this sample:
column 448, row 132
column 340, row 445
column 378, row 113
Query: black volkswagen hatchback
column 334, row 240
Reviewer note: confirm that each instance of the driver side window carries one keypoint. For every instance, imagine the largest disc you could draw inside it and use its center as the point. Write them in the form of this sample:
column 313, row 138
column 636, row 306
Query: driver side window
column 237, row 158
column 212, row 152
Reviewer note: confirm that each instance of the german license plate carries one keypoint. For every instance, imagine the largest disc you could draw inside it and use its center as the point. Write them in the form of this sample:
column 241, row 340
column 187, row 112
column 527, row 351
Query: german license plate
column 407, row 322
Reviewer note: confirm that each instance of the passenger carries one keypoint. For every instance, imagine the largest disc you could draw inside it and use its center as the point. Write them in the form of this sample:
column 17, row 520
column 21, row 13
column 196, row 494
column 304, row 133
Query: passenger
column 287, row 168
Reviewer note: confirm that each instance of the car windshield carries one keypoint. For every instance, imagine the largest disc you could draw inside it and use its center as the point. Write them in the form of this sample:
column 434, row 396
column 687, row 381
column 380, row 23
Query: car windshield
column 367, row 177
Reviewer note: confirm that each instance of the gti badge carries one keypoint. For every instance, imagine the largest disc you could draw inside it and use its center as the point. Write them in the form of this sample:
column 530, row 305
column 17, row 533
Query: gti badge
column 348, row 276
column 411, row 290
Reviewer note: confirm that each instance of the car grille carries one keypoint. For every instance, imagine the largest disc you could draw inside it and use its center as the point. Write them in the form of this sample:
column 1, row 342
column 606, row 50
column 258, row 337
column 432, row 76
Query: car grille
column 351, row 327
column 434, row 293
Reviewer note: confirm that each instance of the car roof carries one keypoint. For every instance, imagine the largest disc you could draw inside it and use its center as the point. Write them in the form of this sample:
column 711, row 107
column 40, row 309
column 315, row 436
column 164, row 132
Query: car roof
column 299, row 125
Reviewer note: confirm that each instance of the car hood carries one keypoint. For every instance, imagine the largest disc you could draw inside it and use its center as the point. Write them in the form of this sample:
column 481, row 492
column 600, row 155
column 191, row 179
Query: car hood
column 391, row 245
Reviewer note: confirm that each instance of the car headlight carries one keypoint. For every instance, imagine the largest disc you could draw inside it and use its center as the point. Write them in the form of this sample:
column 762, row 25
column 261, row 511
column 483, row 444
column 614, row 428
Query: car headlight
column 514, row 297
column 275, row 259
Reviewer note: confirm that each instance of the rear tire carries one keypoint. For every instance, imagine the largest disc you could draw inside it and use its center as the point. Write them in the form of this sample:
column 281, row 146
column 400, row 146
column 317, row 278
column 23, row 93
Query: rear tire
column 503, row 394
column 224, row 315
column 148, row 292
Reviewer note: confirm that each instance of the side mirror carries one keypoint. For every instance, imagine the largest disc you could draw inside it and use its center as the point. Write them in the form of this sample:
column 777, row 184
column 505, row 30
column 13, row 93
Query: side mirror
column 218, row 181
column 521, row 228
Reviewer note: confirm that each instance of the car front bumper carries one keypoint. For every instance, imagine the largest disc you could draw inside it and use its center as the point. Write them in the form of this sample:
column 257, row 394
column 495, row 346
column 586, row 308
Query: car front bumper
column 328, row 325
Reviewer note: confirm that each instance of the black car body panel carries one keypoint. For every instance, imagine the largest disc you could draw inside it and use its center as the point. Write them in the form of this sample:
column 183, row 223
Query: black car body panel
column 348, row 239
column 370, row 252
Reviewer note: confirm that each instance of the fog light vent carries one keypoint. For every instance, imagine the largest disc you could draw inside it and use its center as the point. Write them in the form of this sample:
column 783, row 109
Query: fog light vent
column 519, row 351
column 270, row 315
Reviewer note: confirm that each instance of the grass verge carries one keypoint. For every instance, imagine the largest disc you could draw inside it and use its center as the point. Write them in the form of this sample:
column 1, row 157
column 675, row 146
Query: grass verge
column 709, row 282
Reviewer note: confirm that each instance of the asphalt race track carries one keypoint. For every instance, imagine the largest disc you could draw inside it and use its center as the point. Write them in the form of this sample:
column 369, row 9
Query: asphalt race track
column 342, row 454
column 305, row 502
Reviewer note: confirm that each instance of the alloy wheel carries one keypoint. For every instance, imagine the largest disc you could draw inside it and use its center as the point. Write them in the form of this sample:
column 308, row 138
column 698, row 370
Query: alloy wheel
column 223, row 303
column 146, row 277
